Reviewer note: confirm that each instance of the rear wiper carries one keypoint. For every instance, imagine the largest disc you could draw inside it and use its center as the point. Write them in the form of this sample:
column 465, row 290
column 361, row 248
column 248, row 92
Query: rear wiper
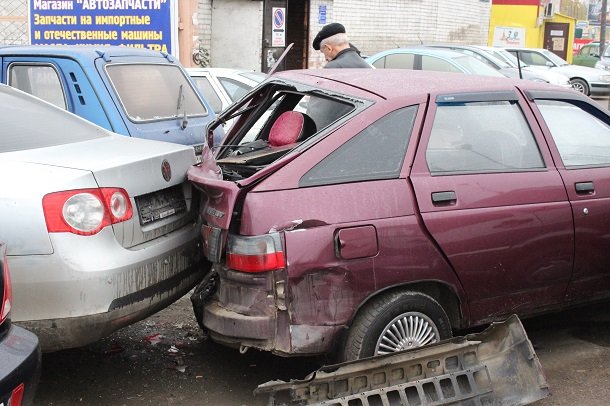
column 180, row 105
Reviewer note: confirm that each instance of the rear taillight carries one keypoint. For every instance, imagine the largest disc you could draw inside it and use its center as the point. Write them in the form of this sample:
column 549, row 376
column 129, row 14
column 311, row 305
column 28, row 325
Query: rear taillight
column 255, row 254
column 85, row 211
column 7, row 298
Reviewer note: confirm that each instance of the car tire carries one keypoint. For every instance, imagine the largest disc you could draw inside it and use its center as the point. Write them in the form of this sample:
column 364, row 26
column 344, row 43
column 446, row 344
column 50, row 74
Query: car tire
column 580, row 85
column 415, row 319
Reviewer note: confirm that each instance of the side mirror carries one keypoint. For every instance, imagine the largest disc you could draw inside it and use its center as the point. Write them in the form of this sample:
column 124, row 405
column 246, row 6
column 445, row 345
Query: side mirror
column 549, row 64
column 209, row 134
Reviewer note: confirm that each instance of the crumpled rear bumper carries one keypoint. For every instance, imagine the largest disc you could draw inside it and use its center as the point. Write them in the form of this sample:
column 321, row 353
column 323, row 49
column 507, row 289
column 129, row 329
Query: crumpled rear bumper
column 495, row 367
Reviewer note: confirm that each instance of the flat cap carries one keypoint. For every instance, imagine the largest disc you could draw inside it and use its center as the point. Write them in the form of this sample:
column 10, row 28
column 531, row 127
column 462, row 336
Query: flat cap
column 327, row 31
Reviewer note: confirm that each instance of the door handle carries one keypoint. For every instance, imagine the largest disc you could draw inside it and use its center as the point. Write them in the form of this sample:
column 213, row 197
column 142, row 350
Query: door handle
column 584, row 188
column 444, row 197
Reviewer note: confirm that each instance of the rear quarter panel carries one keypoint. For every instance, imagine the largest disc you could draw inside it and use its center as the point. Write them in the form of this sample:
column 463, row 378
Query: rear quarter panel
column 324, row 288
column 21, row 214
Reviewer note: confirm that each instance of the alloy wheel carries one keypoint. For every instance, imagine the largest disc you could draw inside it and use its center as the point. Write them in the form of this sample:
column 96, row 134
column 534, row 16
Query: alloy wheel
column 408, row 330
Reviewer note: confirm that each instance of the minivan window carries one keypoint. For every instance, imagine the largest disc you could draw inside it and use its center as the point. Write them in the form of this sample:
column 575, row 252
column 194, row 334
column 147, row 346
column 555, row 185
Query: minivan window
column 377, row 152
column 581, row 138
column 20, row 132
column 150, row 92
column 38, row 80
column 481, row 137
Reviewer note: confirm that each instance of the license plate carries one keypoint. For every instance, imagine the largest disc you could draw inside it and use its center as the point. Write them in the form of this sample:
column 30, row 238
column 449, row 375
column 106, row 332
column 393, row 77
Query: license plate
column 212, row 242
column 198, row 153
column 160, row 205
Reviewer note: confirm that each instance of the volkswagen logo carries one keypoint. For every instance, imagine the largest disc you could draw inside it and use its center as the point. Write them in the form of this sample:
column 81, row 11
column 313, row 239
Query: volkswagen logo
column 166, row 170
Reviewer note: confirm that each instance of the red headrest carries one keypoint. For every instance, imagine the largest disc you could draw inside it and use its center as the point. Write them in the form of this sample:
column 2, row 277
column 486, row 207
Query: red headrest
column 287, row 129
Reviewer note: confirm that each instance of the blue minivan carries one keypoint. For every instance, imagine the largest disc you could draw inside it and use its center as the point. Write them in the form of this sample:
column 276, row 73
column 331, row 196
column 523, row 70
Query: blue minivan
column 134, row 92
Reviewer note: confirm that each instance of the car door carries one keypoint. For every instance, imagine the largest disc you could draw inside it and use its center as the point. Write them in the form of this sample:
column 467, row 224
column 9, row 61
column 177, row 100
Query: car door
column 579, row 137
column 490, row 197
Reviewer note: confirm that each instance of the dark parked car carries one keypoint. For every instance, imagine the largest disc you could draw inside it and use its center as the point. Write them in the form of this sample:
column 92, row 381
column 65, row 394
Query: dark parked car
column 19, row 350
column 397, row 206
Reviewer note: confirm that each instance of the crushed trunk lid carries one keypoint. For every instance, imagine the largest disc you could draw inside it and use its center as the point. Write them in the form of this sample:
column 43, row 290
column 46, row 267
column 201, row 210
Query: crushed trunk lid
column 495, row 367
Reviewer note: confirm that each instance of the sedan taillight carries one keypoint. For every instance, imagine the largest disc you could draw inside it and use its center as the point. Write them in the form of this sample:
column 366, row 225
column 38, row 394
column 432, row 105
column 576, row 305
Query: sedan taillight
column 85, row 211
column 255, row 254
column 5, row 306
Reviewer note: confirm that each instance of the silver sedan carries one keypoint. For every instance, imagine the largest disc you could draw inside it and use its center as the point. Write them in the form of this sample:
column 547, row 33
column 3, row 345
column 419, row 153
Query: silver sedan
column 100, row 228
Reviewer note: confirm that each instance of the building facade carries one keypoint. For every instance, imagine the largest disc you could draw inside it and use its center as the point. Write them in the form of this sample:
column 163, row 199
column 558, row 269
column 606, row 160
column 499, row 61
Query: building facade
column 253, row 34
column 532, row 24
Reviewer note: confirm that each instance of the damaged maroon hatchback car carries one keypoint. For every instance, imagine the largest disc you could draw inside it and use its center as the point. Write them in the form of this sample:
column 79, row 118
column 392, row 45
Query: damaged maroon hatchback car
column 368, row 211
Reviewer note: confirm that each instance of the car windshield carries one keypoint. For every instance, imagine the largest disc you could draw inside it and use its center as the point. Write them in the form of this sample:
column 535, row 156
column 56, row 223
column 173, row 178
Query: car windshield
column 554, row 58
column 607, row 51
column 510, row 59
column 476, row 67
column 53, row 126
column 151, row 92
column 495, row 60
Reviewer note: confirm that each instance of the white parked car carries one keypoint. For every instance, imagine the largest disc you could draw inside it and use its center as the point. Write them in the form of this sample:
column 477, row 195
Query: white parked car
column 101, row 228
column 528, row 72
column 589, row 81
column 222, row 86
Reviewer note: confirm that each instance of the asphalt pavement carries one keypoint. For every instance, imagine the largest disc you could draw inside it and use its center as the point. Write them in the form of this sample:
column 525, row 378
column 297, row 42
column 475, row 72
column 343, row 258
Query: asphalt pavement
column 164, row 360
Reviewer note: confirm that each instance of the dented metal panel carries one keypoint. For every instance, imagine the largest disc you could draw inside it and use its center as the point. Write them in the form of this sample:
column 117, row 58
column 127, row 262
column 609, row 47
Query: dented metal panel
column 495, row 367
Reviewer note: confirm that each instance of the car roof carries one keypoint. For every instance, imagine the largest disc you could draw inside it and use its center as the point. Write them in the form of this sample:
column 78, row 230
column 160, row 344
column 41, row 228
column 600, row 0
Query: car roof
column 525, row 49
column 219, row 70
column 84, row 51
column 413, row 83
column 443, row 45
column 482, row 51
column 446, row 53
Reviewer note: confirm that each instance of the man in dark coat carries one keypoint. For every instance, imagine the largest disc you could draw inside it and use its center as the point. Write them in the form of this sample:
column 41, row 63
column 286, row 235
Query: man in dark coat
column 332, row 41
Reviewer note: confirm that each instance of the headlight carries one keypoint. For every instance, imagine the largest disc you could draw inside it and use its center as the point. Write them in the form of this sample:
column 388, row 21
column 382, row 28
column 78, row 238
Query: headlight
column 604, row 78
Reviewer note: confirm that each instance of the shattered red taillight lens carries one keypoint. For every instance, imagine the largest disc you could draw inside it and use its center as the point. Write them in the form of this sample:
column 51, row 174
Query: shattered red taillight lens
column 17, row 395
column 86, row 211
column 255, row 254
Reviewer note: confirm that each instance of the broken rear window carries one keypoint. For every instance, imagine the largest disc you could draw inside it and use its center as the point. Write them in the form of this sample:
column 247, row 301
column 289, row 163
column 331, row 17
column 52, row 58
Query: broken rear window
column 274, row 121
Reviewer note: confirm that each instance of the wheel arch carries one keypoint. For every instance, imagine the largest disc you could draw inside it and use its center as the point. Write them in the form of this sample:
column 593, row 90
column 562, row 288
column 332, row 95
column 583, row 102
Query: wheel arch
column 444, row 294
column 585, row 81
column 579, row 78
